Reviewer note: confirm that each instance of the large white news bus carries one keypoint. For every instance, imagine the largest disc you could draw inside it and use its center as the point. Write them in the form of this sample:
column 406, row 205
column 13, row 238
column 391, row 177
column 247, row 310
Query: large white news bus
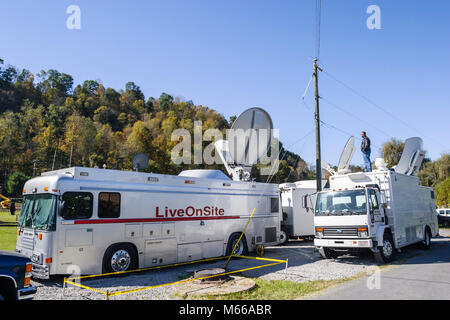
column 99, row 220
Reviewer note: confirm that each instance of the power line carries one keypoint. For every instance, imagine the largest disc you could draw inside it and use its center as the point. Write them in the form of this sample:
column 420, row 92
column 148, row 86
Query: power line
column 369, row 101
column 269, row 178
column 357, row 118
column 318, row 22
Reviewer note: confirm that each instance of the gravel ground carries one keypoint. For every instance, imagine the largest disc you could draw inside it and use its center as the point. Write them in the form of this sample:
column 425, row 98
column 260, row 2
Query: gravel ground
column 304, row 264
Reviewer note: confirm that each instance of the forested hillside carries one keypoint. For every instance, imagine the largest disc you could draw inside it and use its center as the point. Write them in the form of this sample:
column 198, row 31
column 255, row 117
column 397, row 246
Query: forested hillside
column 48, row 122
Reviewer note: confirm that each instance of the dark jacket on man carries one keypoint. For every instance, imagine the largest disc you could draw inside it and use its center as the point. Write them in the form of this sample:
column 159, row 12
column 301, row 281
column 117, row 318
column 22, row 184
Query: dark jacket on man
column 365, row 145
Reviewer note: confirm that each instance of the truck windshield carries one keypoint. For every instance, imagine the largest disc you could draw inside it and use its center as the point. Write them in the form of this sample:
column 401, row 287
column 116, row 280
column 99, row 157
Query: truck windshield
column 346, row 202
column 38, row 212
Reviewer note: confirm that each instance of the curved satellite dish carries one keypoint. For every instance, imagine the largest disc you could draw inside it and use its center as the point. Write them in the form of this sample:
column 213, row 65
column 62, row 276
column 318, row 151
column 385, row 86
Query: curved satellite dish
column 327, row 167
column 140, row 161
column 412, row 157
column 346, row 155
column 250, row 137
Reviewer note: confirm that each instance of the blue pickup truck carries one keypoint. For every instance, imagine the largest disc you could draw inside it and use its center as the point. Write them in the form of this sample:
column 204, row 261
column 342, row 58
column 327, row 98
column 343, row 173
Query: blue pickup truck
column 15, row 276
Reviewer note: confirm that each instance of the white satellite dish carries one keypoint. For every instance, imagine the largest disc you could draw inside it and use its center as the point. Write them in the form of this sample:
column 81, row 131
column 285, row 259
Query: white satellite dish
column 250, row 136
column 344, row 160
column 412, row 157
column 327, row 167
column 248, row 141
column 346, row 156
column 140, row 161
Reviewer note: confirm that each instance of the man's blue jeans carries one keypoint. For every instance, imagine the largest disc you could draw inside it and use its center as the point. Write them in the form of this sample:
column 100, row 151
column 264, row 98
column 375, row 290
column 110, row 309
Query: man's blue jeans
column 367, row 164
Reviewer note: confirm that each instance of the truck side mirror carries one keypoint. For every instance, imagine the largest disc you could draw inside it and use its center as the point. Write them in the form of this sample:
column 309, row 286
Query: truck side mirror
column 384, row 205
column 60, row 207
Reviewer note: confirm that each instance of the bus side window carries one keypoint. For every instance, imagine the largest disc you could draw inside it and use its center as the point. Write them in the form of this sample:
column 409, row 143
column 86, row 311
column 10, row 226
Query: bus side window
column 77, row 205
column 274, row 204
column 108, row 205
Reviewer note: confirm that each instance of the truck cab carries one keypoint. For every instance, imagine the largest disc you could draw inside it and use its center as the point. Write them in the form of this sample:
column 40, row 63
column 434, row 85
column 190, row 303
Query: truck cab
column 348, row 219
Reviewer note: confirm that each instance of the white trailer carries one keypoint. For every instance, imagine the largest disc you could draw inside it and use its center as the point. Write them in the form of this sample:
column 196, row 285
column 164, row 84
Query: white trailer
column 384, row 210
column 298, row 218
column 95, row 220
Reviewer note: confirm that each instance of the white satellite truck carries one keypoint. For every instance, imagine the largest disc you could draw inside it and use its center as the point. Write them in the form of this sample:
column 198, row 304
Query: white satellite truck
column 382, row 211
column 91, row 221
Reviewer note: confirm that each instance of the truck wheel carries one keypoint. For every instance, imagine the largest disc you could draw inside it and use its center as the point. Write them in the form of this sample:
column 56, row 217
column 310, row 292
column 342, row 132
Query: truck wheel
column 327, row 253
column 241, row 248
column 386, row 253
column 120, row 257
column 426, row 243
column 283, row 237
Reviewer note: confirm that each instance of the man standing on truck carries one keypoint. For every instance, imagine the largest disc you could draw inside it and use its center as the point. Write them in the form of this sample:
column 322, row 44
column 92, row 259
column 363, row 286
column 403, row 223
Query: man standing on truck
column 365, row 149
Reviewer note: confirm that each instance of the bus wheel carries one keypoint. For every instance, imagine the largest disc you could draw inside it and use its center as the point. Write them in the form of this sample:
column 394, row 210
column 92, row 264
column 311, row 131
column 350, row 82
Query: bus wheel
column 426, row 243
column 120, row 257
column 386, row 253
column 241, row 248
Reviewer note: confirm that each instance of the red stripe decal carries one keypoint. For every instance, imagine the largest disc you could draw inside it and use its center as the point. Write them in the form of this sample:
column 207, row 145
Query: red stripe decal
column 102, row 221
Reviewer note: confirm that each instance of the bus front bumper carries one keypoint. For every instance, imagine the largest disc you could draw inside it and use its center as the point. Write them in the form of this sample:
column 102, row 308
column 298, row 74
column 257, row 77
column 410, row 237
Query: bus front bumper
column 40, row 271
column 343, row 243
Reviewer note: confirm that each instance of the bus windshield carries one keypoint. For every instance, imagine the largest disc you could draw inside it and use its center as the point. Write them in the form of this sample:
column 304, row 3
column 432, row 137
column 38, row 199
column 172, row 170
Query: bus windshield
column 38, row 212
column 346, row 202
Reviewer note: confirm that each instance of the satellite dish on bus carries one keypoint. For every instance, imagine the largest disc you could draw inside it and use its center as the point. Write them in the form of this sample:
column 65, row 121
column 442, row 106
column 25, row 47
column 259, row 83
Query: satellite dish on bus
column 140, row 161
column 250, row 136
column 412, row 157
column 248, row 141
column 346, row 156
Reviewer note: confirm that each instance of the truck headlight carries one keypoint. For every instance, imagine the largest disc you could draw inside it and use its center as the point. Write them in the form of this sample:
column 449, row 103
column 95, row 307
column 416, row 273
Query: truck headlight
column 362, row 232
column 319, row 232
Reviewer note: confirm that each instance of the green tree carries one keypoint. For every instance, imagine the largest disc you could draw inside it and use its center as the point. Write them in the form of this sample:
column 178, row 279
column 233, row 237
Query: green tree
column 392, row 152
column 443, row 193
column 15, row 183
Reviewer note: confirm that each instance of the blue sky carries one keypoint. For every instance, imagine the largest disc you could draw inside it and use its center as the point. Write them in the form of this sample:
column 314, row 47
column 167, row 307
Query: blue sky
column 231, row 55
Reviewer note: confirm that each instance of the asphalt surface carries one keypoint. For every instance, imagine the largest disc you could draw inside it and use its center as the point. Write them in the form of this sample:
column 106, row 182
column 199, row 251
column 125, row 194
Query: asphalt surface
column 425, row 276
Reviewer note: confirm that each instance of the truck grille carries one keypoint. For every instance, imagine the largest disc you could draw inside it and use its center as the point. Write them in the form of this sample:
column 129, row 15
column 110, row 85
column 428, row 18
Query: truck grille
column 340, row 231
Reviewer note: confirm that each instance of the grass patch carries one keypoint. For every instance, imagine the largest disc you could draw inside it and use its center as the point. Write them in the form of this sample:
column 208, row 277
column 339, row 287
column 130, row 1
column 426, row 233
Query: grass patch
column 8, row 230
column 8, row 237
column 6, row 217
column 277, row 290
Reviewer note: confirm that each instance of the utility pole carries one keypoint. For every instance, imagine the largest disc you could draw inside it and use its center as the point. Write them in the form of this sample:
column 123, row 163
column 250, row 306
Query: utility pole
column 317, row 118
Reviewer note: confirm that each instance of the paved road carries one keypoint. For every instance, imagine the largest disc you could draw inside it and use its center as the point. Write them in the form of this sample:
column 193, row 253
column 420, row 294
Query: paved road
column 425, row 277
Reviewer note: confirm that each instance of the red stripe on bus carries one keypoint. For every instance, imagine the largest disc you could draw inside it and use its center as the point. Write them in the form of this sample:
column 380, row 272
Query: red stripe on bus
column 101, row 221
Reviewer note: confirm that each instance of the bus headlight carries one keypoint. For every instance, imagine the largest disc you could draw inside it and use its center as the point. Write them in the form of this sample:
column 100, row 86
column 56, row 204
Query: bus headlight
column 37, row 258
